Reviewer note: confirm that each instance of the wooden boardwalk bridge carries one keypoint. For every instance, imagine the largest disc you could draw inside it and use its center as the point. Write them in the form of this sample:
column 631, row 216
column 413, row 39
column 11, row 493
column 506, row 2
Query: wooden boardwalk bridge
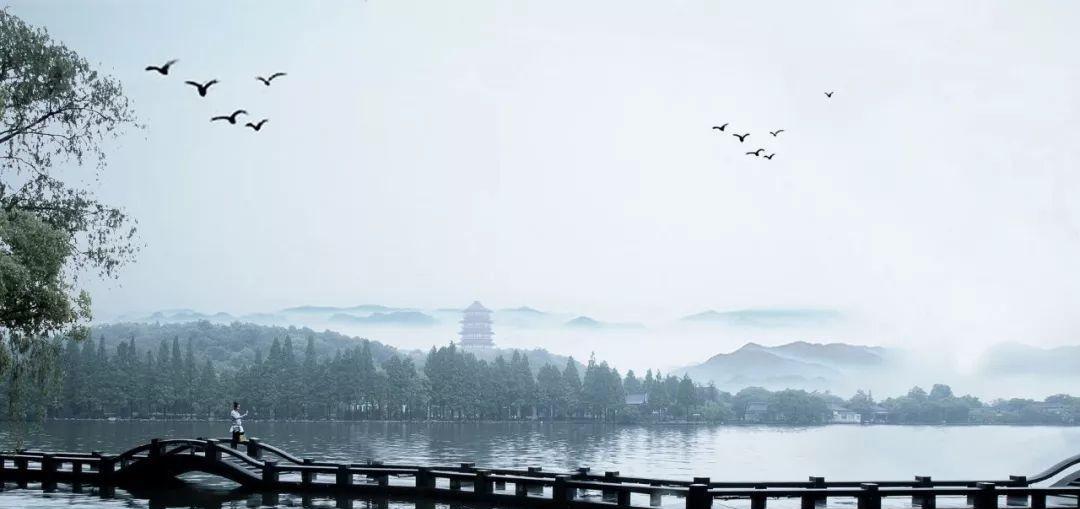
column 263, row 467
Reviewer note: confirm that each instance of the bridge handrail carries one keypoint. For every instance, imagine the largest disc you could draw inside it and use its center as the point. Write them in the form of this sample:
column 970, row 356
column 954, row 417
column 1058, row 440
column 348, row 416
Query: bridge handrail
column 241, row 456
column 130, row 453
column 1056, row 469
column 888, row 492
column 633, row 488
column 280, row 453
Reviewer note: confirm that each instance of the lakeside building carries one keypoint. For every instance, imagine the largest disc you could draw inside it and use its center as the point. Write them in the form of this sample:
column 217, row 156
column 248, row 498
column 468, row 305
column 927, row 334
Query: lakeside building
column 756, row 411
column 842, row 415
column 476, row 327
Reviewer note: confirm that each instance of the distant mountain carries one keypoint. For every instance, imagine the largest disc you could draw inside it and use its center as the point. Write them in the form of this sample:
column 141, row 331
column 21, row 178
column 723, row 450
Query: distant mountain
column 410, row 318
column 584, row 322
column 526, row 317
column 180, row 316
column 526, row 310
column 363, row 308
column 1017, row 359
column 793, row 365
column 832, row 354
column 767, row 318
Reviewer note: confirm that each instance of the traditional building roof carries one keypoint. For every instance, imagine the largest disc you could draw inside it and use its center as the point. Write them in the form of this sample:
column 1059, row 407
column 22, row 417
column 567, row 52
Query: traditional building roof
column 476, row 306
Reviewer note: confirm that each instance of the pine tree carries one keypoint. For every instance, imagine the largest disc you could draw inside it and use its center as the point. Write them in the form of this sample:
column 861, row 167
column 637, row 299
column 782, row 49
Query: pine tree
column 572, row 384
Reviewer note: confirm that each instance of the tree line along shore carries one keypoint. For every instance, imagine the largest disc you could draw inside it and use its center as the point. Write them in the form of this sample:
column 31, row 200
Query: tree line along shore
column 177, row 380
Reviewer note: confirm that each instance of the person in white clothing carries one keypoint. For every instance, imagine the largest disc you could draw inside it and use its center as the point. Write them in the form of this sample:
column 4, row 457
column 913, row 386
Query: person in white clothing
column 237, row 428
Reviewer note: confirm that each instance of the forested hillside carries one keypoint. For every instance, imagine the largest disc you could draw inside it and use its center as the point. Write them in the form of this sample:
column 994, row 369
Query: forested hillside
column 195, row 371
column 233, row 345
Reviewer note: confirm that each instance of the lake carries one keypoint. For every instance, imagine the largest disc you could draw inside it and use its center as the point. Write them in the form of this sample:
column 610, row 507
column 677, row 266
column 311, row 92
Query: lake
column 666, row 451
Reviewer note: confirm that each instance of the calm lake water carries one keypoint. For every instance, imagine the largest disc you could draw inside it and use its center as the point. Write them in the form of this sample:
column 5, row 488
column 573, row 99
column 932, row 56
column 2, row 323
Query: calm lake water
column 675, row 452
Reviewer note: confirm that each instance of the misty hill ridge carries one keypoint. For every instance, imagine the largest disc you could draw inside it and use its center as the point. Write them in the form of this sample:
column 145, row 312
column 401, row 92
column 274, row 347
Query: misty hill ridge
column 1020, row 359
column 766, row 318
column 410, row 318
column 797, row 365
column 362, row 308
column 585, row 322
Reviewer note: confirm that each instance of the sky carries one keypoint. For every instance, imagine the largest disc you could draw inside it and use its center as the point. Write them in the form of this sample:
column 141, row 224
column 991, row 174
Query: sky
column 559, row 154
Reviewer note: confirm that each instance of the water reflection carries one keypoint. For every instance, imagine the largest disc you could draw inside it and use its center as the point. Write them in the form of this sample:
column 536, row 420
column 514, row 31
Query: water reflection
column 190, row 495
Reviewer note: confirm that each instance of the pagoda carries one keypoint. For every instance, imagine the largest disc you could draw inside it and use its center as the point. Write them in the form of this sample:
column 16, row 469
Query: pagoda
column 476, row 327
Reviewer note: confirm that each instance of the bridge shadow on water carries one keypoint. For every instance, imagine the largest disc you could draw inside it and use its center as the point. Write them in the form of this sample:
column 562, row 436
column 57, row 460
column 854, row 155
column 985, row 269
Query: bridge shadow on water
column 195, row 493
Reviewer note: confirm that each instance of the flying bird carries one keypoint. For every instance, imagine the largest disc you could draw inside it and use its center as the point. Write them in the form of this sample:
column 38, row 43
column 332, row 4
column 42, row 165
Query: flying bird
column 203, row 87
column 829, row 94
column 266, row 81
column 741, row 137
column 163, row 70
column 230, row 118
column 774, row 133
column 257, row 126
column 769, row 157
column 720, row 127
column 756, row 152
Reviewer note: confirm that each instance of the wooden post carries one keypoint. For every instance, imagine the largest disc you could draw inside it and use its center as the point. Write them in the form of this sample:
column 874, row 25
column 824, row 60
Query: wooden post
column 48, row 472
column 971, row 497
column 48, row 465
column 698, row 497
column 155, row 447
column 269, row 473
column 482, row 485
column 424, row 480
column 535, row 489
column 106, row 467
column 76, row 469
column 521, row 489
column 468, row 466
column 582, row 472
column 560, row 493
column 1019, row 481
column 817, row 500
column 921, row 481
column 306, row 476
column 344, row 476
column 212, row 451
column 455, row 484
column 986, row 496
column 758, row 501
column 382, row 480
column 623, row 498
column 869, row 498
column 656, row 499
column 1038, row 500
column 611, row 476
column 254, row 448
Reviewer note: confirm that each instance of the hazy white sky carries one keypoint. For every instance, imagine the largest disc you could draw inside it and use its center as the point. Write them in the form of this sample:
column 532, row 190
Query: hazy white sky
column 558, row 154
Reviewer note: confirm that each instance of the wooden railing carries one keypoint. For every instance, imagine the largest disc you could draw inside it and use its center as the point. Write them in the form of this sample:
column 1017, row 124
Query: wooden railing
column 531, row 487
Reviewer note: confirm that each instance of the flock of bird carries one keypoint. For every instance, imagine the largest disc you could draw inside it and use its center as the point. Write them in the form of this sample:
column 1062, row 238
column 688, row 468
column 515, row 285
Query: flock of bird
column 742, row 137
column 204, row 88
